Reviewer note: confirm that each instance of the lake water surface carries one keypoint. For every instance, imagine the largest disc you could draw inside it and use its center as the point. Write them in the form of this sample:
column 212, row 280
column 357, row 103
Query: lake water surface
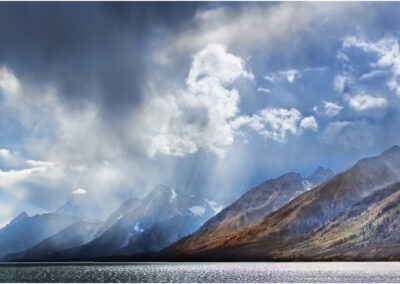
column 203, row 272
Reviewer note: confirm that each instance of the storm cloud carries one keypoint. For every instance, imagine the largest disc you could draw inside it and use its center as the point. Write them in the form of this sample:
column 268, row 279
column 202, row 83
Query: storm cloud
column 100, row 102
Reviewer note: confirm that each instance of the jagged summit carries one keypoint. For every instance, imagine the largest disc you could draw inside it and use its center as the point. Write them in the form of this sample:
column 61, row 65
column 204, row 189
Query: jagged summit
column 289, row 177
column 320, row 174
column 70, row 209
column 321, row 170
column 394, row 150
column 253, row 205
column 21, row 216
column 392, row 159
column 298, row 218
column 265, row 222
column 368, row 162
column 163, row 193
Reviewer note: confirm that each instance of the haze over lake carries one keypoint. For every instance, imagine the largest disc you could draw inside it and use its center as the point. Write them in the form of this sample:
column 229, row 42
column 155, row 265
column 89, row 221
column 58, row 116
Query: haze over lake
column 367, row 272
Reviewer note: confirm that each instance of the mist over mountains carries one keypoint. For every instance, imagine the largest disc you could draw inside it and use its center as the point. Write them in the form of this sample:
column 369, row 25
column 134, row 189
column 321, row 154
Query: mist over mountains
column 352, row 215
column 153, row 223
column 139, row 225
column 202, row 97
column 253, row 205
column 199, row 130
column 23, row 232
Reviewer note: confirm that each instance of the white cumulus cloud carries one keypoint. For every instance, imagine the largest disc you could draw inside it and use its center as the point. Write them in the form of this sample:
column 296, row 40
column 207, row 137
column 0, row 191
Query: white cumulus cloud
column 309, row 123
column 214, row 61
column 341, row 83
column 274, row 123
column 364, row 102
column 200, row 116
column 11, row 177
column 264, row 90
column 41, row 164
column 290, row 75
column 331, row 109
column 388, row 51
column 342, row 56
column 5, row 153
column 79, row 191
column 8, row 82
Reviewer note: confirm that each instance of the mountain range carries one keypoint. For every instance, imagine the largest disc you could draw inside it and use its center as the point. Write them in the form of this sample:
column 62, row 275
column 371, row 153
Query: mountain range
column 252, row 206
column 352, row 215
column 139, row 225
column 23, row 232
column 300, row 229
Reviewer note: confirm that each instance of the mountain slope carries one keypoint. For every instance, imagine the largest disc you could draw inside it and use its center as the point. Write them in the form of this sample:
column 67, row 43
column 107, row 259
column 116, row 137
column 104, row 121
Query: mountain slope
column 24, row 232
column 306, row 212
column 161, row 235
column 367, row 230
column 252, row 206
column 70, row 209
column 123, row 209
column 74, row 235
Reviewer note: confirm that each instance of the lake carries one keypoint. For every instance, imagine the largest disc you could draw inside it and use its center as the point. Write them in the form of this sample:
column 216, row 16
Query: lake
column 203, row 272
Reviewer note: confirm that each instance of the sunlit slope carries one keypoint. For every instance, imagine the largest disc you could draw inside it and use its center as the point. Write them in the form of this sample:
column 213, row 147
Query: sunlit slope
column 368, row 230
column 251, row 207
column 306, row 212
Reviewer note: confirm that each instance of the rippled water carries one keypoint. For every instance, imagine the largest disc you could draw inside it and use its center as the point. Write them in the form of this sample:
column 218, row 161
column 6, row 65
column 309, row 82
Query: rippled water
column 203, row 272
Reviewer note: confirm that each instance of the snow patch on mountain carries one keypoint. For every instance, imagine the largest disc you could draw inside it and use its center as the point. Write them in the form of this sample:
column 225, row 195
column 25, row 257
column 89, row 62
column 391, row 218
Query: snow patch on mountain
column 137, row 228
column 307, row 185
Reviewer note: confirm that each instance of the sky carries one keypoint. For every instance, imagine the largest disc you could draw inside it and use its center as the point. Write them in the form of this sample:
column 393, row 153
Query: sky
column 100, row 102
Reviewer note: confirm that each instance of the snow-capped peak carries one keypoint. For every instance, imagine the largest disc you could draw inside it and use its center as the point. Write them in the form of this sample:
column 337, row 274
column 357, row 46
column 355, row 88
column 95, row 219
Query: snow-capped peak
column 320, row 175
column 69, row 209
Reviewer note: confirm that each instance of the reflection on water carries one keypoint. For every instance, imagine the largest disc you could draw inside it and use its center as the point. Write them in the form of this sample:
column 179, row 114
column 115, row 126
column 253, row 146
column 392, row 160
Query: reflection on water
column 203, row 272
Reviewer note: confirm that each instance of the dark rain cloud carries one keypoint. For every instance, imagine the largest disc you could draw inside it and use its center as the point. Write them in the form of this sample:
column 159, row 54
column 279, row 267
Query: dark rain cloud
column 105, row 51
column 95, row 50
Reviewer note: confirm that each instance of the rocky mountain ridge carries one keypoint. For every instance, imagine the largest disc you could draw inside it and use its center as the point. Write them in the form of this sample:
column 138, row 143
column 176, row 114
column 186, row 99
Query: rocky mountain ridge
column 252, row 206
